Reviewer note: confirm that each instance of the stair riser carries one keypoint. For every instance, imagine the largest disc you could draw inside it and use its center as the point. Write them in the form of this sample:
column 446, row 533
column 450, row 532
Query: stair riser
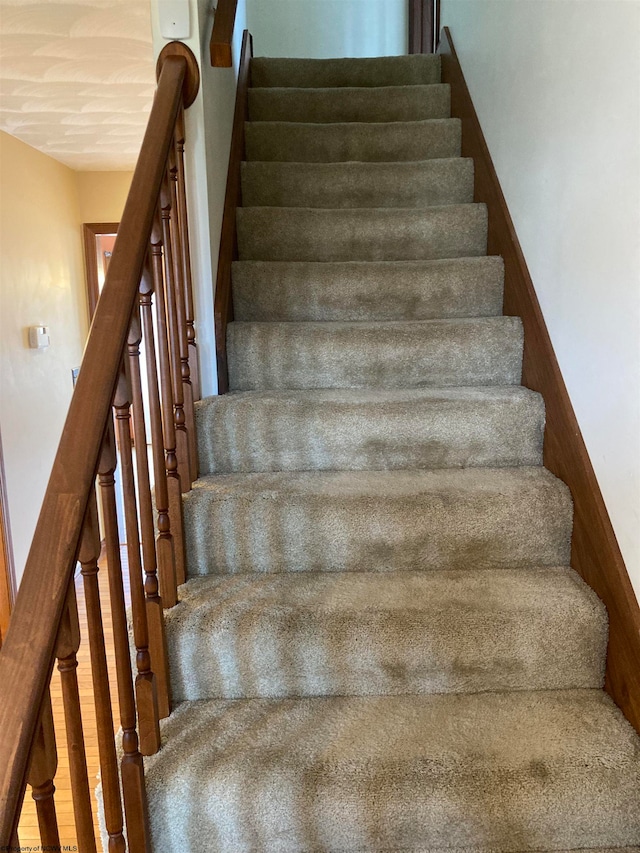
column 300, row 292
column 242, row 531
column 324, row 355
column 437, row 632
column 303, row 234
column 391, row 103
column 400, row 774
column 379, row 71
column 241, row 434
column 338, row 143
column 349, row 185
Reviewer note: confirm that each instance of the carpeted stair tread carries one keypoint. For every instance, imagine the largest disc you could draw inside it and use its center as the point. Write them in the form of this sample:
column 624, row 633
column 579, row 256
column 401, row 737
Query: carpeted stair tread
column 345, row 185
column 367, row 633
column 298, row 291
column 369, row 429
column 377, row 520
column 370, row 71
column 332, row 143
column 367, row 234
column 529, row 770
column 425, row 353
column 387, row 103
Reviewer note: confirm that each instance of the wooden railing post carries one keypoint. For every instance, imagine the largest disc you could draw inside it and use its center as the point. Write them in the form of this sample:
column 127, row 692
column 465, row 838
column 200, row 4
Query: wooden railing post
column 178, row 250
column 186, row 259
column 42, row 771
column 145, row 682
column 88, row 556
column 174, row 484
column 154, row 612
column 165, row 550
column 170, row 267
column 67, row 647
column 131, row 768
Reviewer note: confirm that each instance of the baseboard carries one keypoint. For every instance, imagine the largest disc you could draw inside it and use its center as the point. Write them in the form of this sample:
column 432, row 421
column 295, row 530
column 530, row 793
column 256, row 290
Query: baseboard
column 595, row 553
column 228, row 252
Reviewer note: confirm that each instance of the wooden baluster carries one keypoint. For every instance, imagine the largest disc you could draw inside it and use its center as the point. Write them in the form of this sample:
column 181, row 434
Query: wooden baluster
column 186, row 259
column 131, row 768
column 181, row 317
column 67, row 646
column 155, row 615
column 165, row 548
column 42, row 771
column 88, row 556
column 146, row 691
column 182, row 438
column 174, row 485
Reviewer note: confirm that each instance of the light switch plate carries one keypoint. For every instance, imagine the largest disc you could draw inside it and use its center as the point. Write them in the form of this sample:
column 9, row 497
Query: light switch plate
column 39, row 337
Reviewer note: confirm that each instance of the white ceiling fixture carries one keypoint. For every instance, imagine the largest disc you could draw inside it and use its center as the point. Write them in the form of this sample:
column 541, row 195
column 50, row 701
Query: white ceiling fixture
column 77, row 78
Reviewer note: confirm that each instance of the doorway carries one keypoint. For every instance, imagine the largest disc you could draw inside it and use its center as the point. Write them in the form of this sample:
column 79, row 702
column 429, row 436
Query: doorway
column 99, row 240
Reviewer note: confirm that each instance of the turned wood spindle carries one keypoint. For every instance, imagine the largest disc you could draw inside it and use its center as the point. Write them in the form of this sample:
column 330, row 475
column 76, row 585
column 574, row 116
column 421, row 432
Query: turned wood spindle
column 88, row 556
column 186, row 259
column 181, row 316
column 67, row 646
column 145, row 682
column 155, row 616
column 42, row 771
column 174, row 484
column 131, row 766
column 165, row 550
column 170, row 268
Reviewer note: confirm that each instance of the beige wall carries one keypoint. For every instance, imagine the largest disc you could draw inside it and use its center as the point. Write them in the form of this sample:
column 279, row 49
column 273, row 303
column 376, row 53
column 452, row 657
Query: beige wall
column 556, row 84
column 42, row 207
column 41, row 282
column 101, row 195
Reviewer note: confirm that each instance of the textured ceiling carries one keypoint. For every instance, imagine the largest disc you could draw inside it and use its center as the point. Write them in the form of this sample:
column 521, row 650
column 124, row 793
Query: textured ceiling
column 77, row 78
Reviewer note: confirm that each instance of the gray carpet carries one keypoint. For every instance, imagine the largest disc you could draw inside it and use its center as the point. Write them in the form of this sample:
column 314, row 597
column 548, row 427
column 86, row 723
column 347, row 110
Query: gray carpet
column 336, row 185
column 339, row 143
column 381, row 645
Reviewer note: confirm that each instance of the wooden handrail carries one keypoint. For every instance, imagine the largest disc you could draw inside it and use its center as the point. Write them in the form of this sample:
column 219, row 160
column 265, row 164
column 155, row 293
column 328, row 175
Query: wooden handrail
column 223, row 301
column 27, row 656
column 222, row 33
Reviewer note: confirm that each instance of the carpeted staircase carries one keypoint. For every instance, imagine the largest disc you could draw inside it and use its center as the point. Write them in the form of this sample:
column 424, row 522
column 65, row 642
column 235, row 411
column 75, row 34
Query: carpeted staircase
column 381, row 646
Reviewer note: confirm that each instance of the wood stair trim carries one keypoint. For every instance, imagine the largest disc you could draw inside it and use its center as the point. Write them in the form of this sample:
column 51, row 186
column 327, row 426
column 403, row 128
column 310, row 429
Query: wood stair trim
column 228, row 251
column 595, row 553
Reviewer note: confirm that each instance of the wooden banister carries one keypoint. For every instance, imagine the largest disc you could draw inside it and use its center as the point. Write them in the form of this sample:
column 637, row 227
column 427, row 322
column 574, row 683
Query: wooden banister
column 27, row 655
column 223, row 300
column 222, row 33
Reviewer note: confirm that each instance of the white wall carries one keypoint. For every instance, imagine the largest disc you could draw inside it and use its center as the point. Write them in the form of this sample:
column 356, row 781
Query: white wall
column 328, row 28
column 208, row 127
column 556, row 84
column 41, row 282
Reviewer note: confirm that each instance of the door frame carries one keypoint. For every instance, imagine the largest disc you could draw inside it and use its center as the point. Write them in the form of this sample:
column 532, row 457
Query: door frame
column 91, row 230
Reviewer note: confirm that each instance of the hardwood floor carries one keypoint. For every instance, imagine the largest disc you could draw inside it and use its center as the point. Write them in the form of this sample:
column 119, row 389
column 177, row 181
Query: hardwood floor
column 28, row 829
